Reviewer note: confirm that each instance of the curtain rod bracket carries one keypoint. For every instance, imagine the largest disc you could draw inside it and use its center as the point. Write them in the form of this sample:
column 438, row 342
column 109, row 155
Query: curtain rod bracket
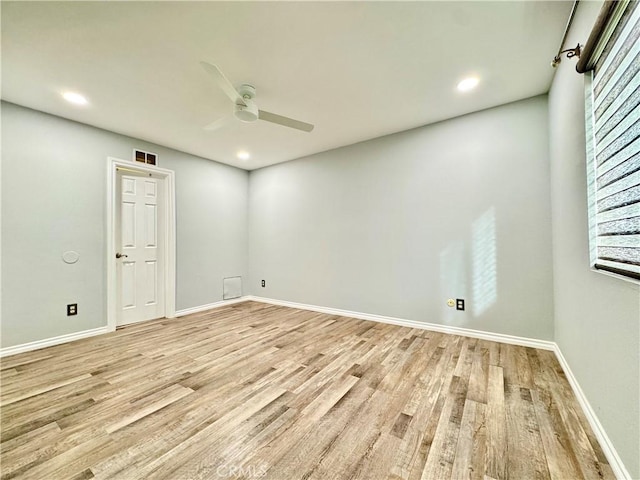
column 571, row 52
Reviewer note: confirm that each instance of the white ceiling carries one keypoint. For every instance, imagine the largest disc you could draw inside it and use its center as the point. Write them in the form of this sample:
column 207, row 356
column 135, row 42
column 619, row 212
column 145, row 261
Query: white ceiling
column 357, row 70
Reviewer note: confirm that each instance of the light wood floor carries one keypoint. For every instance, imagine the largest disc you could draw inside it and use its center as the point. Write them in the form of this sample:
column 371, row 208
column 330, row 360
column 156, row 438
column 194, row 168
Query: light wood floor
column 258, row 391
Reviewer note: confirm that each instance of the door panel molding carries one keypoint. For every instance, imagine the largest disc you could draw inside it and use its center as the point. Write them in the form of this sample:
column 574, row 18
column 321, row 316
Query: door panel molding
column 169, row 255
column 143, row 283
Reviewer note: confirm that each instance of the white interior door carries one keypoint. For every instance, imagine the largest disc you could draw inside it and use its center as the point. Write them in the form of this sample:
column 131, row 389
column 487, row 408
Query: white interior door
column 139, row 258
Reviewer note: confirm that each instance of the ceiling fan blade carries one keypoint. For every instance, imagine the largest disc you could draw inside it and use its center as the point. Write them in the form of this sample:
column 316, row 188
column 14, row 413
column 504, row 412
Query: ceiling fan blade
column 221, row 122
column 223, row 83
column 284, row 121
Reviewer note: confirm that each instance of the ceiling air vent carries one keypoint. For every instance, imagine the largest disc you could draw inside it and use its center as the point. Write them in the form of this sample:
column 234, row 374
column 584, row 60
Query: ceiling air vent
column 145, row 157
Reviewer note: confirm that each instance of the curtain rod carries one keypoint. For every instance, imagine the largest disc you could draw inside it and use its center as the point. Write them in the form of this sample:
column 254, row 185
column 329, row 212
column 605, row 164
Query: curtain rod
column 571, row 52
column 609, row 9
column 568, row 26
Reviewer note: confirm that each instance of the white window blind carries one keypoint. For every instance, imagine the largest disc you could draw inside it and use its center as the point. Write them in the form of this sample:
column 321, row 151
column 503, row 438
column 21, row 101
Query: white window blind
column 613, row 132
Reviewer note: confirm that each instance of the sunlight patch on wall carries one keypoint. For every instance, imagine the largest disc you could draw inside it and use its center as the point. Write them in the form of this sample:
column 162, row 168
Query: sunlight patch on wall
column 484, row 262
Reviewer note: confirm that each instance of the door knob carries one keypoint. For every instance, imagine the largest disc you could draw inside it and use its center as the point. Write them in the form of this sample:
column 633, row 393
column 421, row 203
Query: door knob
column 120, row 255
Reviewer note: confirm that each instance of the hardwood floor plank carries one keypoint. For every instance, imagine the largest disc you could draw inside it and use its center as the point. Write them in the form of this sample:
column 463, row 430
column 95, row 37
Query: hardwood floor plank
column 317, row 441
column 159, row 400
column 479, row 444
column 463, row 464
column 47, row 405
column 479, row 374
column 351, row 440
column 425, row 406
column 9, row 399
column 525, row 456
column 560, row 458
column 496, row 453
column 167, row 464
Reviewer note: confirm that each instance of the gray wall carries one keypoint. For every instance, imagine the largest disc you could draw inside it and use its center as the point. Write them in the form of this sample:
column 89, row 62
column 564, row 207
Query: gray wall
column 54, row 199
column 396, row 225
column 597, row 317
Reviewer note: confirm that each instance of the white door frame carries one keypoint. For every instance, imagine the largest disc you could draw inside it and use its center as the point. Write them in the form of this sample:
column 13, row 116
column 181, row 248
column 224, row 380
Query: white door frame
column 169, row 201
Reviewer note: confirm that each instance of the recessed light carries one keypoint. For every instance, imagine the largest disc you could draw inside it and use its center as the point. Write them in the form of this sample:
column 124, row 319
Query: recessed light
column 74, row 97
column 242, row 155
column 468, row 84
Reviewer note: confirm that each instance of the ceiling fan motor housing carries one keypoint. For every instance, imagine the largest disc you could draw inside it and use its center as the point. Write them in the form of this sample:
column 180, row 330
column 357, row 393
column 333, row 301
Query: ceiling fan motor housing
column 249, row 111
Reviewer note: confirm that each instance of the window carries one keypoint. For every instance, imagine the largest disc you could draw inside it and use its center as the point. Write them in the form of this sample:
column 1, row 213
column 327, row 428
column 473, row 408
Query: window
column 613, row 143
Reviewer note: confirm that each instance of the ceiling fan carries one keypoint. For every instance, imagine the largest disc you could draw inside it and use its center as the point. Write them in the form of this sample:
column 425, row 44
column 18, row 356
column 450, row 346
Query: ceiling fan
column 245, row 108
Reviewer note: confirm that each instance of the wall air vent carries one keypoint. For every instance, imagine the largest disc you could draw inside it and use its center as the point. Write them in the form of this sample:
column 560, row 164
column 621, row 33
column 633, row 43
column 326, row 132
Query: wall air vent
column 145, row 157
column 231, row 288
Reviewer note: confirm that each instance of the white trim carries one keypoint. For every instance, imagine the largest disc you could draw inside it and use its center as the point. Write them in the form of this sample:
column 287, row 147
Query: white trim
column 609, row 450
column 0, row 235
column 170, row 235
column 202, row 308
column 49, row 342
column 615, row 275
column 590, row 166
column 466, row 332
column 71, row 337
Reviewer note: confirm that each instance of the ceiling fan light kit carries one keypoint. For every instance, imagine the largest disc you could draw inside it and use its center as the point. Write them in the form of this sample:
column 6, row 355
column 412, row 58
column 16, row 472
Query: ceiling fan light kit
column 246, row 113
column 245, row 108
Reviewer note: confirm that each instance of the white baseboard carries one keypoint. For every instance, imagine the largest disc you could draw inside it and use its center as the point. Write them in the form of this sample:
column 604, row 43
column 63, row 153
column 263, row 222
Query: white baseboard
column 609, row 450
column 70, row 337
column 202, row 308
column 466, row 332
column 49, row 342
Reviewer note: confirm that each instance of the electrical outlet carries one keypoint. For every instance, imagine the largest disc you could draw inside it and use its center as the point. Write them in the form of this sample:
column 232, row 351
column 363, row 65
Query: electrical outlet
column 264, row 284
column 459, row 303
column 72, row 309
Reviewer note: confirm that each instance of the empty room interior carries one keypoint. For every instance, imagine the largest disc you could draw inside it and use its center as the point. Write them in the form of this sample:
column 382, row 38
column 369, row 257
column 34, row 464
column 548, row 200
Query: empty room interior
column 320, row 240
